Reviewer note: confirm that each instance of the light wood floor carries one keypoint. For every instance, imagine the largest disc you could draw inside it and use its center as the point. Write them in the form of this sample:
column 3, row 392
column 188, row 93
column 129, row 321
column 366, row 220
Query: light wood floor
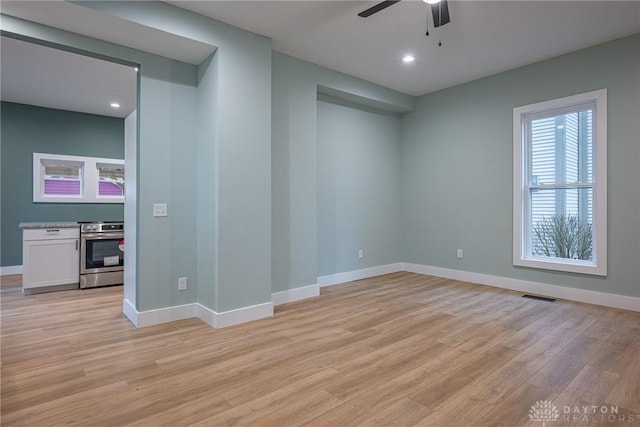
column 401, row 349
column 10, row 280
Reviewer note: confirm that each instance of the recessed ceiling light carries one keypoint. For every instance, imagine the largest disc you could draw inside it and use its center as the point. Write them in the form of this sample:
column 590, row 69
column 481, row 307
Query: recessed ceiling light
column 407, row 59
column 115, row 105
column 431, row 1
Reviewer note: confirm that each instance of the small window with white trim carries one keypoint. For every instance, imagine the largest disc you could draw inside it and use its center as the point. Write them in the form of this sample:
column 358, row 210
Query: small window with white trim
column 76, row 179
column 110, row 180
column 560, row 184
column 62, row 178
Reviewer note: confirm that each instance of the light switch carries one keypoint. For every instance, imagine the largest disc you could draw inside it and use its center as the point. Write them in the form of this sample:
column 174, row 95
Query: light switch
column 159, row 209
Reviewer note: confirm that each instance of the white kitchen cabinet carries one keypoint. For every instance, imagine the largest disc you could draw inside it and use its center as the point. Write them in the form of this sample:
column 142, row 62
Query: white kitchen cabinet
column 50, row 257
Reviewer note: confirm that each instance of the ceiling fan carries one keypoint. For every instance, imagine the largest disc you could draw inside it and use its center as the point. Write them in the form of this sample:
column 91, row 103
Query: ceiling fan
column 439, row 10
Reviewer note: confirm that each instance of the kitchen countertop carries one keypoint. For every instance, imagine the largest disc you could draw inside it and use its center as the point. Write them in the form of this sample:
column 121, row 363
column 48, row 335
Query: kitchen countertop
column 33, row 225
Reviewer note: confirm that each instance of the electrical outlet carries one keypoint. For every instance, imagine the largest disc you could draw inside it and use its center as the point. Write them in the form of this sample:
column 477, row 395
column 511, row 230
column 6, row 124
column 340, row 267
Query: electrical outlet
column 459, row 253
column 182, row 283
column 361, row 253
column 159, row 209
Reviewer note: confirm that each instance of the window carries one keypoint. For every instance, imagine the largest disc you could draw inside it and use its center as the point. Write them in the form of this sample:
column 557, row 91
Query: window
column 560, row 184
column 73, row 179
column 62, row 178
column 110, row 180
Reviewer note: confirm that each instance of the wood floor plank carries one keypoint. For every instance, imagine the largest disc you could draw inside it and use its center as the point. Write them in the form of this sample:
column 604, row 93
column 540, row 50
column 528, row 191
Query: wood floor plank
column 580, row 393
column 514, row 410
column 400, row 349
column 373, row 399
column 10, row 281
column 252, row 412
column 404, row 412
column 626, row 391
column 460, row 411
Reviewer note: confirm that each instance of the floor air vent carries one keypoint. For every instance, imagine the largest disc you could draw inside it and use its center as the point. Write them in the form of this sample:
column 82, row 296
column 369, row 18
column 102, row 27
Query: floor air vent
column 538, row 298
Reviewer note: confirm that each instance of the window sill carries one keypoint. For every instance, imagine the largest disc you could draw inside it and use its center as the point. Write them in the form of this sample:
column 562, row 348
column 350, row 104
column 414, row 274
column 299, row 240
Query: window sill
column 52, row 199
column 560, row 264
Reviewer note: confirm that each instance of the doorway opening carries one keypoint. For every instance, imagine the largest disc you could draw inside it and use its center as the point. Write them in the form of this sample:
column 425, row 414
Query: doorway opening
column 63, row 101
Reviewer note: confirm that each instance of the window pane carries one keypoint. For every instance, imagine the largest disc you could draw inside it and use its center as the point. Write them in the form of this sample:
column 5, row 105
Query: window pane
column 562, row 223
column 111, row 181
column 561, row 148
column 62, row 180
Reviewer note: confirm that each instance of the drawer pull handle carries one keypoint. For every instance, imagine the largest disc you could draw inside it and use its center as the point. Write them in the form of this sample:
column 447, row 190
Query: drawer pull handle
column 53, row 231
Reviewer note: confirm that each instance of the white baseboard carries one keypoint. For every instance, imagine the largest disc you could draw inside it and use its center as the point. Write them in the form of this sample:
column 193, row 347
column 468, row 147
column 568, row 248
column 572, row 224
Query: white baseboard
column 573, row 294
column 161, row 315
column 10, row 269
column 243, row 315
column 140, row 319
column 350, row 276
column 130, row 312
column 260, row 311
column 233, row 317
column 205, row 314
column 295, row 294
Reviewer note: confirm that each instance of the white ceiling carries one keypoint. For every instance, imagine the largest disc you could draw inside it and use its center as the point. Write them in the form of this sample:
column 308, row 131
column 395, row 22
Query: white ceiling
column 483, row 38
column 38, row 75
column 47, row 77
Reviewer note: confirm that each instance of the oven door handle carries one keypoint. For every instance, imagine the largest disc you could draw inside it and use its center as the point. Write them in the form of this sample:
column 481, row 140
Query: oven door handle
column 102, row 236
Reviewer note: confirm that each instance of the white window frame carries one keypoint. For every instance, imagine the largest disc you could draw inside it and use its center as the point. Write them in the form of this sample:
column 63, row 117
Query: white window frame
column 89, row 179
column 66, row 161
column 109, row 164
column 521, row 151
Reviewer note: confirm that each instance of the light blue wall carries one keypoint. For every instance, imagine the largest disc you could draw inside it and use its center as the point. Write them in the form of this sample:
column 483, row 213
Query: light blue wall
column 294, row 185
column 228, row 195
column 240, row 149
column 358, row 188
column 232, row 147
column 293, row 150
column 130, row 213
column 207, row 215
column 166, row 152
column 242, row 145
column 166, row 174
column 457, row 166
column 170, row 140
column 28, row 129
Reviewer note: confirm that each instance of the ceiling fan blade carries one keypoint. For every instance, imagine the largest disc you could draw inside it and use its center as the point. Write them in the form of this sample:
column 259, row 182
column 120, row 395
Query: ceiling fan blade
column 440, row 13
column 377, row 8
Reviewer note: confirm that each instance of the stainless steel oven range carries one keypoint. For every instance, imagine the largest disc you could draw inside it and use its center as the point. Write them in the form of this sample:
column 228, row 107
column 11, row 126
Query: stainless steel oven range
column 101, row 253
